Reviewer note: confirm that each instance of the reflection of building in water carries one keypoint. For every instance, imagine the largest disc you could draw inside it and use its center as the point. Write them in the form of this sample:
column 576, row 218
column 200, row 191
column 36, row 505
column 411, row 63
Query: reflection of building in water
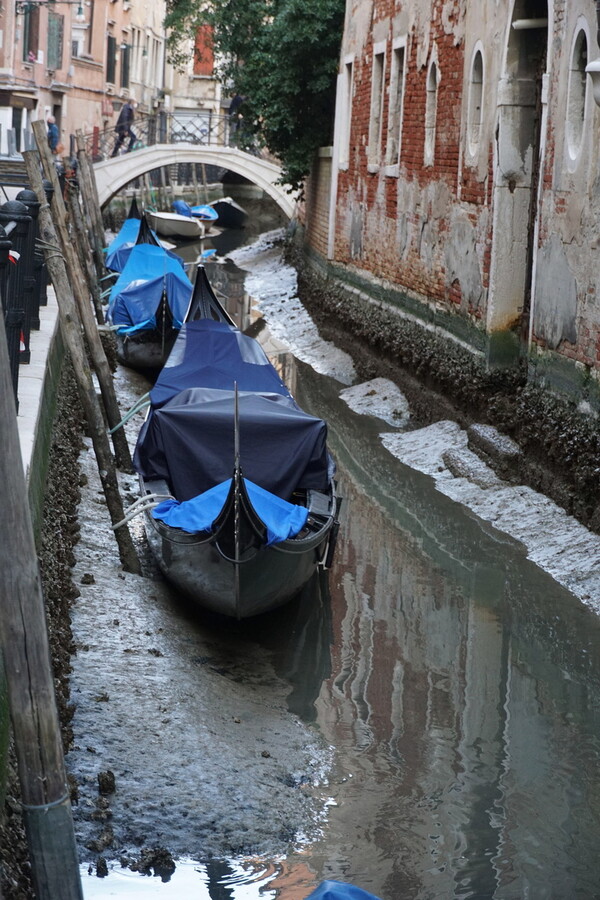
column 459, row 729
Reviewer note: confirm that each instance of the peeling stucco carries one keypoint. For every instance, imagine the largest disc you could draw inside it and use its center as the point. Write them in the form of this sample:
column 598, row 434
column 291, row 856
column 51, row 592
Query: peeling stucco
column 555, row 310
column 462, row 262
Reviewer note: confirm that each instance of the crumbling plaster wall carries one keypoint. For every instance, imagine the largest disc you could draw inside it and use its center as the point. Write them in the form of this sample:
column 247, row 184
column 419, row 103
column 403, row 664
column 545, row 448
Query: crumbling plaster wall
column 413, row 228
column 566, row 311
column 429, row 230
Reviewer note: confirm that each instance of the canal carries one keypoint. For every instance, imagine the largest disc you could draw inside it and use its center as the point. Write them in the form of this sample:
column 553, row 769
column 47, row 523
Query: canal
column 423, row 722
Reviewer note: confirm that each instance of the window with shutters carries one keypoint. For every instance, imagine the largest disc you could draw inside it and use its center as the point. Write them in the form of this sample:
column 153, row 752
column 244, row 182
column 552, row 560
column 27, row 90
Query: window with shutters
column 377, row 96
column 56, row 29
column 203, row 51
column 111, row 59
column 125, row 64
column 31, row 34
column 431, row 113
column 394, row 133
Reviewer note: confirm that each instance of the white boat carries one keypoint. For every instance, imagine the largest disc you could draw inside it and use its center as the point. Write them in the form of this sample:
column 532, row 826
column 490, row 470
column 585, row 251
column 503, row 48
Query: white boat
column 170, row 224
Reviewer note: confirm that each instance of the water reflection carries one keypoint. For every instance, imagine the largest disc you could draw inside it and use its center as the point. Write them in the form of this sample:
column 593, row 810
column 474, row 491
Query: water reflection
column 459, row 685
column 463, row 700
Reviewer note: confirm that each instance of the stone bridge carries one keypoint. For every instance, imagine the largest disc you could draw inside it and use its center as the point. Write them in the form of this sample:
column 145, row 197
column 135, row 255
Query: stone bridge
column 114, row 174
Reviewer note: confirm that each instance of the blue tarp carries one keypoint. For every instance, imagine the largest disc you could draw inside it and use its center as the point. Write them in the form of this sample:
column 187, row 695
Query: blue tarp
column 336, row 890
column 282, row 520
column 202, row 211
column 136, row 296
column 119, row 250
column 182, row 208
column 120, row 247
column 216, row 355
column 189, row 442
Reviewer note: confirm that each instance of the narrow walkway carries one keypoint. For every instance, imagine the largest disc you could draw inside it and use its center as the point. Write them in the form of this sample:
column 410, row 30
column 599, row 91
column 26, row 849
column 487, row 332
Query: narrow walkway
column 32, row 377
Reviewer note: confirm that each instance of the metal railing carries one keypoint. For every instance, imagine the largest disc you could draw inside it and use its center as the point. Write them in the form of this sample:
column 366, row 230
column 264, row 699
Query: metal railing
column 23, row 277
column 204, row 128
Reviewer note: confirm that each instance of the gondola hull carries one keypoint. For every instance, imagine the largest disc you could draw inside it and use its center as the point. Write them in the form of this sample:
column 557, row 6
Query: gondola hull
column 147, row 350
column 270, row 578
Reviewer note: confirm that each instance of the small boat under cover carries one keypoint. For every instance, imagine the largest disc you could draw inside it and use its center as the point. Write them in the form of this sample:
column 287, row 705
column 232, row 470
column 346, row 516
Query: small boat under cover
column 147, row 306
column 239, row 477
column 171, row 224
column 206, row 213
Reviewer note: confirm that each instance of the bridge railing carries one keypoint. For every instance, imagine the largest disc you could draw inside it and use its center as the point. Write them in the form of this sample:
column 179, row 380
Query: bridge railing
column 202, row 127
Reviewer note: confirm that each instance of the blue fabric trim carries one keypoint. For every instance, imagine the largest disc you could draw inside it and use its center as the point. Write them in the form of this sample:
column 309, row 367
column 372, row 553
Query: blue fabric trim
column 336, row 890
column 283, row 520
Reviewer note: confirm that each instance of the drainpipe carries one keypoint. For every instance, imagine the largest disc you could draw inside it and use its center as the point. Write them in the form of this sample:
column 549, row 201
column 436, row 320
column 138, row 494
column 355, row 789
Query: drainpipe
column 593, row 68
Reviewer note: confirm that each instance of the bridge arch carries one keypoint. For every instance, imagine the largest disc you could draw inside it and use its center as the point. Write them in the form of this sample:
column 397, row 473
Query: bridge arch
column 114, row 174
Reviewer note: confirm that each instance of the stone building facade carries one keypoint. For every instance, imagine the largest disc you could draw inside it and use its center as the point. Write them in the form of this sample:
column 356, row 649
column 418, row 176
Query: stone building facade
column 80, row 60
column 462, row 190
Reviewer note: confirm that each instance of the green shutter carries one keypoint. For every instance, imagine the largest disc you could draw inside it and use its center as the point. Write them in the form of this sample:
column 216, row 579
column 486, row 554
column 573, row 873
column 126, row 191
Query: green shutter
column 56, row 27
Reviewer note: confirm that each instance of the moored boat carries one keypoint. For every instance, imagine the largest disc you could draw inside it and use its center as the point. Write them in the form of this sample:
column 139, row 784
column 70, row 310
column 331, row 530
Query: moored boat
column 236, row 480
column 147, row 306
column 203, row 211
column 230, row 213
column 171, row 224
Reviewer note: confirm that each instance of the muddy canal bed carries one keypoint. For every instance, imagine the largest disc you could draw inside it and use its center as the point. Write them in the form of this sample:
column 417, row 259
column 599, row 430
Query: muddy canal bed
column 423, row 722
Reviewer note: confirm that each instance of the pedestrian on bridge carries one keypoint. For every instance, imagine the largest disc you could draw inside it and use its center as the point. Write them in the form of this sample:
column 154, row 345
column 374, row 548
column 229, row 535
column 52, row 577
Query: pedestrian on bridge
column 53, row 134
column 123, row 127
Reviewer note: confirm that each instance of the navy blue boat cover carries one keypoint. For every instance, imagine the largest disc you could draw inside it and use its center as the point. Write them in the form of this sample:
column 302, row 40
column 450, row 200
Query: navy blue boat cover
column 136, row 296
column 215, row 354
column 188, row 437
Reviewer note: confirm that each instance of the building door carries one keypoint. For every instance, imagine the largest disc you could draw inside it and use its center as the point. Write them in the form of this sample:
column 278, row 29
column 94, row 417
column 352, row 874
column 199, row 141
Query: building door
column 519, row 150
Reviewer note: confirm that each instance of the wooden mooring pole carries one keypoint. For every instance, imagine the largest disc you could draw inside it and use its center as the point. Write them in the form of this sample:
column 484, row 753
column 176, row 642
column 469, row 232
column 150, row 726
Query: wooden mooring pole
column 79, row 288
column 71, row 330
column 89, row 194
column 24, row 640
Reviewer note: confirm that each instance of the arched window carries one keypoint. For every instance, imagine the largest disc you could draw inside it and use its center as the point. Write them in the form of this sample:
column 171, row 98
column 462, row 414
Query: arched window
column 431, row 113
column 577, row 95
column 475, row 101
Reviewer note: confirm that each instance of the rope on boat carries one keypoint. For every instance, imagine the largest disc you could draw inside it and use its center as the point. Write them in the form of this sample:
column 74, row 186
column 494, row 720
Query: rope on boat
column 107, row 327
column 142, row 504
column 137, row 406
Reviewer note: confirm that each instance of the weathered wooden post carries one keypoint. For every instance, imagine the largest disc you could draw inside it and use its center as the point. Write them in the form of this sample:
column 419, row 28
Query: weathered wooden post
column 80, row 290
column 82, row 243
column 24, row 640
column 89, row 193
column 70, row 324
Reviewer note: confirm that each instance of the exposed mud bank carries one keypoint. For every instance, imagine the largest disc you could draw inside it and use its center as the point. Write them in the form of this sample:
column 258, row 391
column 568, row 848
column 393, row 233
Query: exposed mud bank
column 60, row 533
column 561, row 446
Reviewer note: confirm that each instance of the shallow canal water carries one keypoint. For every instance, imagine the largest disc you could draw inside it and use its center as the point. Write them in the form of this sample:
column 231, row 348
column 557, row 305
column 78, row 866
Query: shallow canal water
column 455, row 686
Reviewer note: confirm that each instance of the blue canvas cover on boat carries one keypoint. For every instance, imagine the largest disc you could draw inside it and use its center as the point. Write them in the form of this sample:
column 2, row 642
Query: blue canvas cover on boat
column 336, row 890
column 136, row 296
column 182, row 208
column 206, row 212
column 120, row 247
column 214, row 354
column 117, row 255
column 283, row 520
column 189, row 442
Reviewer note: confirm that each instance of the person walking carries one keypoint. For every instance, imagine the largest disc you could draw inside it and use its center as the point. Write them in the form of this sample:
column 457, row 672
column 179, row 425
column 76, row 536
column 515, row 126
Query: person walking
column 123, row 127
column 53, row 133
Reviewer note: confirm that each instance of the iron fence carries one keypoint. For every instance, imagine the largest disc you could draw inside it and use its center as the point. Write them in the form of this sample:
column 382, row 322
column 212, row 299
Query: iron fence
column 201, row 127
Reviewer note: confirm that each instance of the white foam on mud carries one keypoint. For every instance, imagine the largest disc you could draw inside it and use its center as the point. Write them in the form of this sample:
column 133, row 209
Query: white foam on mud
column 379, row 397
column 274, row 286
column 555, row 541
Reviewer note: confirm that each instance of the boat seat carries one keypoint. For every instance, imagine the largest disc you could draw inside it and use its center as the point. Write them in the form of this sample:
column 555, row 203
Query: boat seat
column 159, row 486
column 318, row 503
